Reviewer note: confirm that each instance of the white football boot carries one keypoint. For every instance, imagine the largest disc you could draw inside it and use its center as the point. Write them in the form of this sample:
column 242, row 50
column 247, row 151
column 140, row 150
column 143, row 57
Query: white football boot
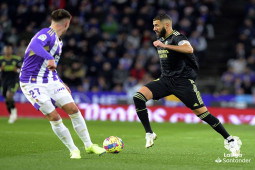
column 75, row 154
column 13, row 116
column 233, row 144
column 150, row 137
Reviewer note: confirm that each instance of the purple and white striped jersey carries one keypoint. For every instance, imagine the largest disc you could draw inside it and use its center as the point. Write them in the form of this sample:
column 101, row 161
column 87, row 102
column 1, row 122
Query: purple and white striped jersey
column 44, row 46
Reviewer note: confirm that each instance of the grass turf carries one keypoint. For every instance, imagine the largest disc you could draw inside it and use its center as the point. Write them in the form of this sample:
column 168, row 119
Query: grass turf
column 31, row 144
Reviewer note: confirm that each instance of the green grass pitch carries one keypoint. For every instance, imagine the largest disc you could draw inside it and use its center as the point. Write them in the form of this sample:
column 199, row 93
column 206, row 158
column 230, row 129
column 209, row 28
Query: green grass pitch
column 31, row 144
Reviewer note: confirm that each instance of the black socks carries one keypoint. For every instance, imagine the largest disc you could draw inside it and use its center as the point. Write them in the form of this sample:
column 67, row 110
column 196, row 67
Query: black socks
column 214, row 123
column 10, row 105
column 141, row 111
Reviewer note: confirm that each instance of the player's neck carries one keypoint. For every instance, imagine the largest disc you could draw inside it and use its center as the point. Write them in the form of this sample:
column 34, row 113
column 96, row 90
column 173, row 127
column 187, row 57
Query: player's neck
column 168, row 32
column 57, row 30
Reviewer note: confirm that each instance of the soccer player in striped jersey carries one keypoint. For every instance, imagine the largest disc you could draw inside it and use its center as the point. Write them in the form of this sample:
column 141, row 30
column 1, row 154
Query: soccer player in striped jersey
column 44, row 89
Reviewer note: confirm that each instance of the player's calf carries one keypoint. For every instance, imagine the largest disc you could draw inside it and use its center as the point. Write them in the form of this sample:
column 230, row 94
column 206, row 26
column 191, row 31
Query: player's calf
column 141, row 110
column 214, row 123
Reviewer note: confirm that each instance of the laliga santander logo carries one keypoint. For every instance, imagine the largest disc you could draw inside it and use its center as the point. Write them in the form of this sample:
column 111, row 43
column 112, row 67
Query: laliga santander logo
column 230, row 158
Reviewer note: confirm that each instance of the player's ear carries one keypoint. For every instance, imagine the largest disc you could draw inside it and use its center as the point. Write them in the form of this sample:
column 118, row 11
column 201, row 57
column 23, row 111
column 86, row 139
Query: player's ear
column 66, row 24
column 167, row 25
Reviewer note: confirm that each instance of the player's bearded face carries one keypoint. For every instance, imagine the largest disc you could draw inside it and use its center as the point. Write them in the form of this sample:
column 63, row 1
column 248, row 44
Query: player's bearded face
column 162, row 32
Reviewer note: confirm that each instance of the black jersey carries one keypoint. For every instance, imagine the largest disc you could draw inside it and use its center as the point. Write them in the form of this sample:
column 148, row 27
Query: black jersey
column 8, row 74
column 176, row 64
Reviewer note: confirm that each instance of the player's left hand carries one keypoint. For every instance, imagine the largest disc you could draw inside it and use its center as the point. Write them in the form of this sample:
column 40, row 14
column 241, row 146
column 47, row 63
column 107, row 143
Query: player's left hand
column 158, row 44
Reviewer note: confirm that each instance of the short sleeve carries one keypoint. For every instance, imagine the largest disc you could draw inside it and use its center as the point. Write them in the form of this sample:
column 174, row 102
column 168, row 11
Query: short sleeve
column 41, row 38
column 181, row 39
column 37, row 43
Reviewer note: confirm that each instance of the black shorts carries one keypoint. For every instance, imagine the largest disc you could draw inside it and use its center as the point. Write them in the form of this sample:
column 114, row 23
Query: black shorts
column 184, row 89
column 11, row 86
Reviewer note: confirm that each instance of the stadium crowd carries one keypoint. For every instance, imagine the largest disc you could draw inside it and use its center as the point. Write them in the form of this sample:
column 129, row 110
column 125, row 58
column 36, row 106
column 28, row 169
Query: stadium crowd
column 109, row 44
column 240, row 76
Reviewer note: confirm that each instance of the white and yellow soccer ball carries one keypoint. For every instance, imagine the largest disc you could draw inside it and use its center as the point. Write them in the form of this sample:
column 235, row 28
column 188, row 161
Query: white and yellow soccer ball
column 113, row 144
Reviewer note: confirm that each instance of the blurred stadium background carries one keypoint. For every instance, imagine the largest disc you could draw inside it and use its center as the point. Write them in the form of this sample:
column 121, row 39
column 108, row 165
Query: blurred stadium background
column 108, row 54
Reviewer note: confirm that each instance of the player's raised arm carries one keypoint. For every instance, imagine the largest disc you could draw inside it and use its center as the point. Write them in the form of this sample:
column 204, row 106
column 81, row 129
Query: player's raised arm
column 184, row 47
column 37, row 46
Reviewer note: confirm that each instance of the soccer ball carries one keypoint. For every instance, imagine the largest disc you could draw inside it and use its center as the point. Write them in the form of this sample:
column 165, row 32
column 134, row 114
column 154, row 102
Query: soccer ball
column 113, row 144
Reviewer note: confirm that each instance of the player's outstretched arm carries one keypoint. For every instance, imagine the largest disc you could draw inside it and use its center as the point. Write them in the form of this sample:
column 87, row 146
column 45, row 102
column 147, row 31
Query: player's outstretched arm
column 37, row 44
column 185, row 48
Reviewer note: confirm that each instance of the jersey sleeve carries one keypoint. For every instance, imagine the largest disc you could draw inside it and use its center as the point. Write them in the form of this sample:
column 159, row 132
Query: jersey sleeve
column 181, row 39
column 38, row 42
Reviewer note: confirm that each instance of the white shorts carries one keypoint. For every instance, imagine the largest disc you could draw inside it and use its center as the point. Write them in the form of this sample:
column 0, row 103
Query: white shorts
column 45, row 97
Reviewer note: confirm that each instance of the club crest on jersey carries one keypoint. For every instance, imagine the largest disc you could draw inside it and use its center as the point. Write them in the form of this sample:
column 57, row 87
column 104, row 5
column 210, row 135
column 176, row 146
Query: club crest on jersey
column 42, row 37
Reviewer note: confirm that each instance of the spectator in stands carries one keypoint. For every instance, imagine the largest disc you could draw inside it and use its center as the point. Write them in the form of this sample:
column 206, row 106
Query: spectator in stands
column 199, row 44
column 248, row 75
column 74, row 75
column 226, row 85
column 246, row 86
column 110, row 26
column 238, row 65
column 251, row 63
column 134, row 39
column 120, row 75
column 107, row 74
column 138, row 71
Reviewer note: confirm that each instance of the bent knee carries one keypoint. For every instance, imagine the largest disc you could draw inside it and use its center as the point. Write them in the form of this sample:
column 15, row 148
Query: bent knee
column 70, row 108
column 74, row 110
column 53, row 116
column 139, row 97
column 146, row 92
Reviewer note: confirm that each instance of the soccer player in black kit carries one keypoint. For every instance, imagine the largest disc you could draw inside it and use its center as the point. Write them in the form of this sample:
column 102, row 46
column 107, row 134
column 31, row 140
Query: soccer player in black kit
column 9, row 66
column 178, row 73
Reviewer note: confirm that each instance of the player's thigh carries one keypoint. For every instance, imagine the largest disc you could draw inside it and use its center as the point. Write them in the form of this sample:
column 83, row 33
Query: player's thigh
column 13, row 86
column 158, row 89
column 186, row 91
column 11, row 90
column 37, row 95
column 60, row 94
column 146, row 92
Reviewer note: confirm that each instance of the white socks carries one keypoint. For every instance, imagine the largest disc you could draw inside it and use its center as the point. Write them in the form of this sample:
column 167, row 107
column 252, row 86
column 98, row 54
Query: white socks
column 80, row 127
column 63, row 134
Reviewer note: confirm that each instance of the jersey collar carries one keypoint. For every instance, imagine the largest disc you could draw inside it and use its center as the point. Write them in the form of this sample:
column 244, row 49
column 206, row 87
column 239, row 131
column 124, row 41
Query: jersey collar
column 168, row 35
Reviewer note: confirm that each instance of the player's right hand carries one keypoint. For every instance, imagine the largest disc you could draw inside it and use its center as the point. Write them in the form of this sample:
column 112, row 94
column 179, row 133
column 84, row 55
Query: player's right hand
column 158, row 44
column 51, row 65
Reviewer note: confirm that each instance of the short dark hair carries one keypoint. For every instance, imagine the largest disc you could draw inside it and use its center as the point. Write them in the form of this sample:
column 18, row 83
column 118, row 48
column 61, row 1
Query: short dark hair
column 60, row 14
column 162, row 16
